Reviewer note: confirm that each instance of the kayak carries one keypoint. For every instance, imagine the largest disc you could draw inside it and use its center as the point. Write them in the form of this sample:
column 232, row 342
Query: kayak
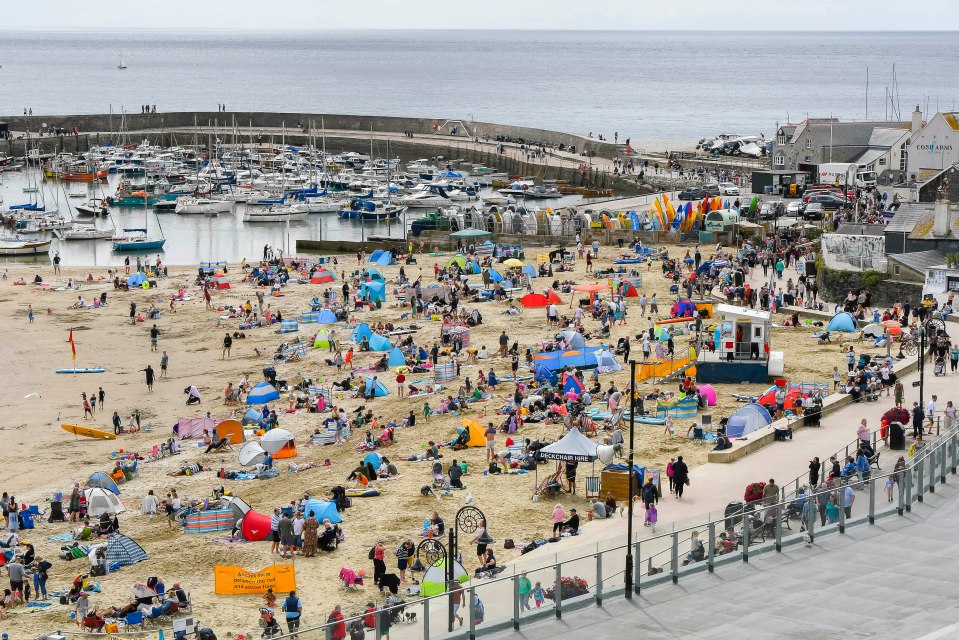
column 87, row 432
column 90, row 370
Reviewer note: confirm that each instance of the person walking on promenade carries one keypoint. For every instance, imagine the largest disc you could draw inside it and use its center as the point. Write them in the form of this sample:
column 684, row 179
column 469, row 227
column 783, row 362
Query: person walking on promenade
column 680, row 476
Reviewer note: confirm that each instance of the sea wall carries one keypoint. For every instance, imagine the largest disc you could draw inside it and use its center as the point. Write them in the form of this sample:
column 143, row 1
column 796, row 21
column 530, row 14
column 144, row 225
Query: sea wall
column 133, row 122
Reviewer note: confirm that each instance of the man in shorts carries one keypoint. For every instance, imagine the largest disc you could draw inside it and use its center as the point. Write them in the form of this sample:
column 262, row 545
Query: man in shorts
column 490, row 441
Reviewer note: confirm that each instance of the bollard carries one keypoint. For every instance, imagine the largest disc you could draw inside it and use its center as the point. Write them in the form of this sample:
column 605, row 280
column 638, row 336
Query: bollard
column 516, row 611
column 872, row 500
column 746, row 520
column 919, row 480
column 636, row 565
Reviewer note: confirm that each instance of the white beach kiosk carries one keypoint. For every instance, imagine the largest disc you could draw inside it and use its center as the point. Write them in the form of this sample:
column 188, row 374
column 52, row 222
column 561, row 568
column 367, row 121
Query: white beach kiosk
column 738, row 349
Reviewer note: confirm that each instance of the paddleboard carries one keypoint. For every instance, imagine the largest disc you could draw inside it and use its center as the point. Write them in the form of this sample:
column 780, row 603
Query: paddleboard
column 87, row 432
column 91, row 370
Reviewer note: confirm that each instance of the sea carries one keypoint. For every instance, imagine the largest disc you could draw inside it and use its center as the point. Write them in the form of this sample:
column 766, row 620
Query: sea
column 657, row 88
column 663, row 90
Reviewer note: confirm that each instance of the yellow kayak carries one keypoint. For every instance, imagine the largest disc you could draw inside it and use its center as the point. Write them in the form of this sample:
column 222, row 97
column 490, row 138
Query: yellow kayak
column 87, row 432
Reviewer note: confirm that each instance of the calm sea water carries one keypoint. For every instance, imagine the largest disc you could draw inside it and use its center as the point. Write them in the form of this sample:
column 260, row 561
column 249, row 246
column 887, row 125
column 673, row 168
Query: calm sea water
column 195, row 238
column 656, row 87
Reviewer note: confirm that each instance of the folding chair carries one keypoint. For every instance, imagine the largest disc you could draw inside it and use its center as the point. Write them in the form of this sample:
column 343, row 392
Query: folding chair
column 134, row 618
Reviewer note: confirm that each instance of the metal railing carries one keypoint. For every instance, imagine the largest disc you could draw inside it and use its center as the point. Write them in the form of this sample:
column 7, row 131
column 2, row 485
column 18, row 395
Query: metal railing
column 765, row 529
column 850, row 449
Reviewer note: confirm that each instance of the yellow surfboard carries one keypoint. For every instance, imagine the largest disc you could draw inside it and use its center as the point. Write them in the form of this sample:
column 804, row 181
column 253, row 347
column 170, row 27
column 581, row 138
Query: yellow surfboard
column 87, row 432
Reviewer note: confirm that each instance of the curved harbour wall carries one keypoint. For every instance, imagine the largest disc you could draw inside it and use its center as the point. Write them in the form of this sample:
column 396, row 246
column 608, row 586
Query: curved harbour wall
column 133, row 122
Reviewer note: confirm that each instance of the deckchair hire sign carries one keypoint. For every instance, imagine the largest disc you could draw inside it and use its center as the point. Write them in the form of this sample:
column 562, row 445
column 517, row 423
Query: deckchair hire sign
column 229, row 580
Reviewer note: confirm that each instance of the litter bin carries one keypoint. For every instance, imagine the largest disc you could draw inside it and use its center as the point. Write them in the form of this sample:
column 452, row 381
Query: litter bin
column 897, row 436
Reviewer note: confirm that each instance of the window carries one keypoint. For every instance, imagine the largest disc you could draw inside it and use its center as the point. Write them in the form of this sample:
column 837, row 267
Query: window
column 895, row 269
column 882, row 161
column 809, row 143
column 779, row 161
column 781, row 138
column 903, row 159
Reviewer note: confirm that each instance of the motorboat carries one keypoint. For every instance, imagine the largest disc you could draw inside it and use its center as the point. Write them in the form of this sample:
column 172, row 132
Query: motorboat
column 204, row 206
column 427, row 197
column 91, row 209
column 277, row 213
column 359, row 209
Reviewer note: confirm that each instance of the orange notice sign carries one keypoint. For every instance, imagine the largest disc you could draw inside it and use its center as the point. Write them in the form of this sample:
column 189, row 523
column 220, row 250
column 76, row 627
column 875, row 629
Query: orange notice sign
column 229, row 580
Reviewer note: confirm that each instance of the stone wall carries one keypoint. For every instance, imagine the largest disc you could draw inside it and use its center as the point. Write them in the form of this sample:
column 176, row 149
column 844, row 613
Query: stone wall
column 834, row 285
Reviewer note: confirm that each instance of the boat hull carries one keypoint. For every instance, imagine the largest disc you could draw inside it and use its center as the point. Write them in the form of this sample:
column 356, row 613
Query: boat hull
column 14, row 248
column 132, row 246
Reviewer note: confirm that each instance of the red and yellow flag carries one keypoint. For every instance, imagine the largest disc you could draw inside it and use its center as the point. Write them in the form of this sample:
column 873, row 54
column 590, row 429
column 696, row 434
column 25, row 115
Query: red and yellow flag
column 73, row 346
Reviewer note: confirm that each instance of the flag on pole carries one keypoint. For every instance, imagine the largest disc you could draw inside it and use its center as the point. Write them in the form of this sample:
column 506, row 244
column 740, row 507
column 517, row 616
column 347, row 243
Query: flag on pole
column 73, row 346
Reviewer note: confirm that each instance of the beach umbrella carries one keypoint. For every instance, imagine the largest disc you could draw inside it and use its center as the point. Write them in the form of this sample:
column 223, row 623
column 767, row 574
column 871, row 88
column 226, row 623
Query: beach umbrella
column 512, row 262
column 275, row 439
column 434, row 580
column 100, row 480
column 262, row 393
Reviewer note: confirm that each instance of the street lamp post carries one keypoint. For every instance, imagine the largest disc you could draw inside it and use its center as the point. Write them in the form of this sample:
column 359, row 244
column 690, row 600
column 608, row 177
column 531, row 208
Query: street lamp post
column 629, row 482
column 468, row 519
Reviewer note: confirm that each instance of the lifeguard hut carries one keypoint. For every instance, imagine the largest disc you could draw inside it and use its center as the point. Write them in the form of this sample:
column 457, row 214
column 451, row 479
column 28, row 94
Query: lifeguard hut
column 736, row 348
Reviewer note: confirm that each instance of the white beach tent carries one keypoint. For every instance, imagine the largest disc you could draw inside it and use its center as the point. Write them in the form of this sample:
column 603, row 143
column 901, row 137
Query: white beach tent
column 251, row 453
column 100, row 501
column 274, row 440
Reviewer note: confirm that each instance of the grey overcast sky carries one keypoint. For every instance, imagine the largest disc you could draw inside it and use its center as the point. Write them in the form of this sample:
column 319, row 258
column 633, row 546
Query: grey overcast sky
column 751, row 15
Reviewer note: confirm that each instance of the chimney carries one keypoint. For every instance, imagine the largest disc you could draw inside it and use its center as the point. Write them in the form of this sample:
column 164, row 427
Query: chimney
column 940, row 226
column 916, row 120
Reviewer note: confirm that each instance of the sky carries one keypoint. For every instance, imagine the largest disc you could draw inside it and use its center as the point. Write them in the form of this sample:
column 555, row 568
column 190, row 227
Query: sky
column 745, row 15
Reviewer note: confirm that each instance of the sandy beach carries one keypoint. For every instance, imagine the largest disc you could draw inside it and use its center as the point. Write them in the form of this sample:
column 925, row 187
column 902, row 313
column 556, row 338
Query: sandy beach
column 42, row 458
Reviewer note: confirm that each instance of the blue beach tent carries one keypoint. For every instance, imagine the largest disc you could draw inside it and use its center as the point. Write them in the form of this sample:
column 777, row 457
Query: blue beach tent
column 379, row 391
column 396, row 358
column 326, row 316
column 262, row 393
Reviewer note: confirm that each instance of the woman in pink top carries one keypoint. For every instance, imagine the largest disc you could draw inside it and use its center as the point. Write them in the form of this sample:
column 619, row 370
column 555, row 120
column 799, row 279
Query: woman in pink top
column 863, row 431
column 669, row 474
column 559, row 516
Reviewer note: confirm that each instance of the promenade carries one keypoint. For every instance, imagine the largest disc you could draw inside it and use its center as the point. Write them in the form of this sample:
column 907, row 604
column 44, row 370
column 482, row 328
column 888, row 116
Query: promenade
column 892, row 580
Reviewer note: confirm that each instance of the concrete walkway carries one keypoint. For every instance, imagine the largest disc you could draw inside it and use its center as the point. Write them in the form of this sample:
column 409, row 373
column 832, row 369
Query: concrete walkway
column 892, row 580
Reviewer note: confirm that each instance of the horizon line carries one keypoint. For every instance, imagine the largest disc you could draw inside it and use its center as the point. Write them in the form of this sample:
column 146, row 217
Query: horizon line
column 207, row 29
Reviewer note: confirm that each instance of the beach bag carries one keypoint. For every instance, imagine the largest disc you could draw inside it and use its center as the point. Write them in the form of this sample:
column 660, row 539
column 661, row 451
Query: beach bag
column 372, row 552
column 509, row 544
column 528, row 548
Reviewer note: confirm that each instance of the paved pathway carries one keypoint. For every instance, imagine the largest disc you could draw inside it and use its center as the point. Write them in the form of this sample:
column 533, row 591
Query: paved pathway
column 892, row 580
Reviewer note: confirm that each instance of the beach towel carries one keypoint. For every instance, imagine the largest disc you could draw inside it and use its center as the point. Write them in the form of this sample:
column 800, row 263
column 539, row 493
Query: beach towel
column 62, row 537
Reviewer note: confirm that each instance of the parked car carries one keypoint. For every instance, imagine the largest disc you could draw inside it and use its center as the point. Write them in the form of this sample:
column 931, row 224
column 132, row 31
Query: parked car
column 772, row 210
column 810, row 193
column 829, row 201
column 728, row 189
column 811, row 211
column 712, row 189
column 794, row 208
column 692, row 193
